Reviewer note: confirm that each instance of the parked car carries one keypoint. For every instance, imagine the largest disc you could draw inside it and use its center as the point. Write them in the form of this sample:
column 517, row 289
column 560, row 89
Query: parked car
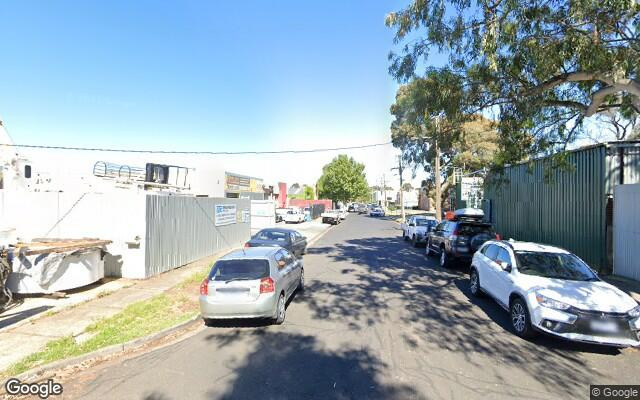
column 343, row 213
column 457, row 240
column 289, row 239
column 417, row 227
column 331, row 217
column 548, row 289
column 352, row 207
column 293, row 217
column 362, row 209
column 280, row 213
column 251, row 283
column 376, row 211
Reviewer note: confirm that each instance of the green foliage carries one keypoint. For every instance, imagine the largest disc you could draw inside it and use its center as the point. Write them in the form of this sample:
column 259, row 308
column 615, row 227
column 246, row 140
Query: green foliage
column 543, row 67
column 309, row 193
column 434, row 108
column 343, row 180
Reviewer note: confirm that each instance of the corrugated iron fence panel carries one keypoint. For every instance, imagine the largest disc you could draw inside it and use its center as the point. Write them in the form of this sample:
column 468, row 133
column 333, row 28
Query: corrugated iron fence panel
column 561, row 206
column 181, row 230
column 626, row 231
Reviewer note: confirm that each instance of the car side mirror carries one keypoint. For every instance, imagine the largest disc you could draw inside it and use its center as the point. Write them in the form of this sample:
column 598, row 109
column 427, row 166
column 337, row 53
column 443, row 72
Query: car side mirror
column 506, row 267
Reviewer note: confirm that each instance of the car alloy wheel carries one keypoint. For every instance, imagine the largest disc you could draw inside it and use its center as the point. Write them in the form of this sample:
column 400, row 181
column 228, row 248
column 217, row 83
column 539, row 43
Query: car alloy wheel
column 301, row 283
column 518, row 317
column 474, row 283
column 281, row 310
column 443, row 258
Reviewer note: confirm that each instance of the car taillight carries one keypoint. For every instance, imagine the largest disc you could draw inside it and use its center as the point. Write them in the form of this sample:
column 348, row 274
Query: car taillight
column 498, row 237
column 204, row 287
column 267, row 285
column 247, row 245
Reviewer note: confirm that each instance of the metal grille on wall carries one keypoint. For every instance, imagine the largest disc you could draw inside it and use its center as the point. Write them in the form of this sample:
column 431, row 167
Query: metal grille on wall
column 180, row 230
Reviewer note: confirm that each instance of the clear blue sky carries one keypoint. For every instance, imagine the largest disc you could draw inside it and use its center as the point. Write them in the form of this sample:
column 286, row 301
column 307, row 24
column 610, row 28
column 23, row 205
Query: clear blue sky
column 196, row 74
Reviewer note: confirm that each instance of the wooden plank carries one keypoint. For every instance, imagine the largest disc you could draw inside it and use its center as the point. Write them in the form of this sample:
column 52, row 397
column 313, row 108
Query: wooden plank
column 59, row 247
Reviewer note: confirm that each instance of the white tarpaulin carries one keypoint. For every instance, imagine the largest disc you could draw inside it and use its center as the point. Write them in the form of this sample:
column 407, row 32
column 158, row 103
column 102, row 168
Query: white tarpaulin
column 53, row 272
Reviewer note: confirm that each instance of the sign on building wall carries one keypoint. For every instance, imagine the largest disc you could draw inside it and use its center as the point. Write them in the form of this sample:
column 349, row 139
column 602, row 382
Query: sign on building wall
column 225, row 214
column 246, row 215
column 471, row 191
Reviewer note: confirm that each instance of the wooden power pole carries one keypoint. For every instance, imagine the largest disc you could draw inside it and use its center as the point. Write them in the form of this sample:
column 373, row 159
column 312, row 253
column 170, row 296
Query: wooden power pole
column 437, row 174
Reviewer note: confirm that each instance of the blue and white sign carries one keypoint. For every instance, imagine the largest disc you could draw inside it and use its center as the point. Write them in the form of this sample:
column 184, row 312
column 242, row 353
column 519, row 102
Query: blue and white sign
column 225, row 214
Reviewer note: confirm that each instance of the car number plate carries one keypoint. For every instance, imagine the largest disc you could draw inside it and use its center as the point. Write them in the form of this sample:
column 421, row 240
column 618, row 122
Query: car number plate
column 604, row 326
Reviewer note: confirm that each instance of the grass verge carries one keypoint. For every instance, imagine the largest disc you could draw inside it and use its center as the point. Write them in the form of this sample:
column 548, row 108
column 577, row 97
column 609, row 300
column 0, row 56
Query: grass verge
column 137, row 320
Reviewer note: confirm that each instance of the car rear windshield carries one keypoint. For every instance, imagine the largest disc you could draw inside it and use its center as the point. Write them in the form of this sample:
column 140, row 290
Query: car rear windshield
column 276, row 236
column 245, row 269
column 474, row 229
column 554, row 265
column 425, row 222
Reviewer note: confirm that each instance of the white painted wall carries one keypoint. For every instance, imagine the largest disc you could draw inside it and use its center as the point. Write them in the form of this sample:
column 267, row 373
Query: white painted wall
column 263, row 214
column 626, row 231
column 118, row 216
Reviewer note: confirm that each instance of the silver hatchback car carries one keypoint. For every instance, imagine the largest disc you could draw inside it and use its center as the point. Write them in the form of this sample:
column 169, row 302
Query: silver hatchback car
column 251, row 283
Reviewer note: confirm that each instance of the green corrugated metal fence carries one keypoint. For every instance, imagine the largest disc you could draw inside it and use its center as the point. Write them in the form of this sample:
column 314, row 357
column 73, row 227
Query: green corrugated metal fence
column 568, row 209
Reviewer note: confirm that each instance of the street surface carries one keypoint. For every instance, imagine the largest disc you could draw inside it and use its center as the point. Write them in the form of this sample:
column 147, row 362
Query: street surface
column 377, row 320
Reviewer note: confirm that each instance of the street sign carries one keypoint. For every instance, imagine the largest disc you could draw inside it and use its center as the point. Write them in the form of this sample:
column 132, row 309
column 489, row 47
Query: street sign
column 471, row 191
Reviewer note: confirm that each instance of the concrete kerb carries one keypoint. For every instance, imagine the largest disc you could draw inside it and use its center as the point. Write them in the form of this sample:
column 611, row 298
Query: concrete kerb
column 42, row 372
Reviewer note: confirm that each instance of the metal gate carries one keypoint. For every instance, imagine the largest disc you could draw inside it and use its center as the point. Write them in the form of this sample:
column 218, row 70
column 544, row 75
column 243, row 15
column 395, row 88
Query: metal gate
column 626, row 231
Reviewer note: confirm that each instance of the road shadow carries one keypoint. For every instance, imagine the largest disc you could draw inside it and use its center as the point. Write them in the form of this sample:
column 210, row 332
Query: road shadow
column 295, row 366
column 392, row 278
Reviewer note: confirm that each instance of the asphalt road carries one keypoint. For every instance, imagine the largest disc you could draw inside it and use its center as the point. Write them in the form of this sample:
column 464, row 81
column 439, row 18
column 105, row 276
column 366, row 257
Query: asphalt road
column 377, row 320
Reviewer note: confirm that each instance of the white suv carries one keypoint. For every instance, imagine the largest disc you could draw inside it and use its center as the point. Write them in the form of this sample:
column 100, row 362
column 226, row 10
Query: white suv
column 548, row 289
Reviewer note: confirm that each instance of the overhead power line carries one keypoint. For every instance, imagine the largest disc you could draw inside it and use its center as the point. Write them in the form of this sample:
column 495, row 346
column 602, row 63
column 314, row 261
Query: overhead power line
column 32, row 146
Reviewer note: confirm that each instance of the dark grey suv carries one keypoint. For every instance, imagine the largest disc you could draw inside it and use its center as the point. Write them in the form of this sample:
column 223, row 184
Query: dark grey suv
column 457, row 240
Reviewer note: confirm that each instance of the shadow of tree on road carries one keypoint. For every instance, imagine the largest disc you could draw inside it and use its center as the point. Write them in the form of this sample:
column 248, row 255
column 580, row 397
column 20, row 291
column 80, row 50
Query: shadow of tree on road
column 393, row 279
column 294, row 366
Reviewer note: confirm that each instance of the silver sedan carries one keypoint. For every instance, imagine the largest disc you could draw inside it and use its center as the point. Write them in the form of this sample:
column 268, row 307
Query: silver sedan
column 251, row 283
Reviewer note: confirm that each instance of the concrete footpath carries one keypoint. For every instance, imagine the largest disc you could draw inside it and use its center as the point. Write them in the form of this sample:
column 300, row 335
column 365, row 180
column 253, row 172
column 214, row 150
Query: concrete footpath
column 49, row 318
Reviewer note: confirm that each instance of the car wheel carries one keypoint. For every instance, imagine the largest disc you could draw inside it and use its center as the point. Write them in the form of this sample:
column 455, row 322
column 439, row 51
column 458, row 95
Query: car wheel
column 520, row 319
column 301, row 282
column 474, row 283
column 414, row 241
column 444, row 259
column 428, row 250
column 281, row 310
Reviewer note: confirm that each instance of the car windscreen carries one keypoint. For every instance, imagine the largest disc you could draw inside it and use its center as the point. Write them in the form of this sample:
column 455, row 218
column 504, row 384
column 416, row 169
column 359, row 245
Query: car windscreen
column 243, row 269
column 474, row 229
column 554, row 265
column 275, row 236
